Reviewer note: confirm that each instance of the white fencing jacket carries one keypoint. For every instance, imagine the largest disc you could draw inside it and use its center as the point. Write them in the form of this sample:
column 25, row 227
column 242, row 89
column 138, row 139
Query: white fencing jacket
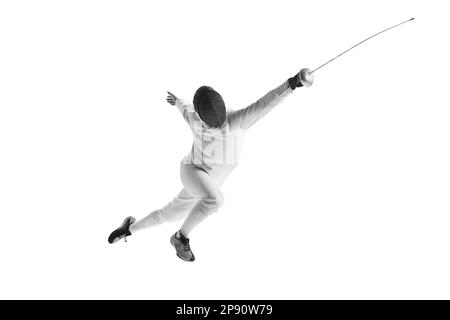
column 217, row 150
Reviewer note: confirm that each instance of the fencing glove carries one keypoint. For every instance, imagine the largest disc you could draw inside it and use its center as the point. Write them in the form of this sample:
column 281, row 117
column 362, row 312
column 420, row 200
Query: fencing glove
column 294, row 82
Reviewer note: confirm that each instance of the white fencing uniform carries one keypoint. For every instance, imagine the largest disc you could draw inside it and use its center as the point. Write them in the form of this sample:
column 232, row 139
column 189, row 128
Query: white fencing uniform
column 215, row 153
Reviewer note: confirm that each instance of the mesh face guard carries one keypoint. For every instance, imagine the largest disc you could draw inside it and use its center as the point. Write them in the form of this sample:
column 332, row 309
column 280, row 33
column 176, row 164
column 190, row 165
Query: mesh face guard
column 210, row 107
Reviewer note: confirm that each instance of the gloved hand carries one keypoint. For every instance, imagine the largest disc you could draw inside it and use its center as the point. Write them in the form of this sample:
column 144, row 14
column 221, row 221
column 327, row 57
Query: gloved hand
column 294, row 82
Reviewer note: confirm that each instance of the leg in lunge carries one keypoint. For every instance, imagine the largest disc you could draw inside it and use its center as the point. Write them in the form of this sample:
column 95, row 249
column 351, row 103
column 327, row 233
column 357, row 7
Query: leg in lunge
column 175, row 210
column 203, row 187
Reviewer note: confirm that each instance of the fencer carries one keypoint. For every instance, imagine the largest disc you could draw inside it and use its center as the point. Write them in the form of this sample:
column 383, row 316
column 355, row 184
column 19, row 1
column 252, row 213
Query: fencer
column 218, row 136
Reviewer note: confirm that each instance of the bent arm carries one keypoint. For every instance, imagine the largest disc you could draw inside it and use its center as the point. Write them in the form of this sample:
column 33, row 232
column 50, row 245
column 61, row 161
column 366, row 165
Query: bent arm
column 186, row 109
column 245, row 118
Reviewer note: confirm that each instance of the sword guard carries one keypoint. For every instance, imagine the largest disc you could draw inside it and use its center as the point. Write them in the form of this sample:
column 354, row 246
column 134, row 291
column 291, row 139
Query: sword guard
column 305, row 77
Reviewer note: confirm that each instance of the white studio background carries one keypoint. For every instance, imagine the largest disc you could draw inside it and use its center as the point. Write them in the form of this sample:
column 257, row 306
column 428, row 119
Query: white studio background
column 342, row 191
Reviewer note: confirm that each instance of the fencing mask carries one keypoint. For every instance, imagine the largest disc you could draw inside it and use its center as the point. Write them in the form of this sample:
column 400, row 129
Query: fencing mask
column 210, row 107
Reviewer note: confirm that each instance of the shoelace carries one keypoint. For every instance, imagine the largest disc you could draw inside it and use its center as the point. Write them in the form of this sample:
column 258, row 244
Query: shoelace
column 127, row 233
column 124, row 236
column 185, row 242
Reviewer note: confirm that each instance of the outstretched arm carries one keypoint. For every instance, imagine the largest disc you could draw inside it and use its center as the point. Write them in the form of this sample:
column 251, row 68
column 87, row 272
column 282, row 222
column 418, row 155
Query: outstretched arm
column 185, row 107
column 246, row 117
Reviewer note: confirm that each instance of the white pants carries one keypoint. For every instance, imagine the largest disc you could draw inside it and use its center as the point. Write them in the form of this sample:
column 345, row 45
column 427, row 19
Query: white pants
column 200, row 197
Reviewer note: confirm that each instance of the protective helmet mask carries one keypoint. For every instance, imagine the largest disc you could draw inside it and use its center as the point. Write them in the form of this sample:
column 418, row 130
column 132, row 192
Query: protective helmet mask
column 210, row 107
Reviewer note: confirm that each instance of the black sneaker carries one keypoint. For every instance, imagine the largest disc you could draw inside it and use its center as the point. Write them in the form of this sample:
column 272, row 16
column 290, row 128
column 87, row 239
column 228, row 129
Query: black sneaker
column 123, row 231
column 181, row 245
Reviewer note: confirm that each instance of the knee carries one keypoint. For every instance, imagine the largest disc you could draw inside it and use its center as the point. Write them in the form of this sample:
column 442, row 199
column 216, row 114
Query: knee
column 213, row 202
column 219, row 200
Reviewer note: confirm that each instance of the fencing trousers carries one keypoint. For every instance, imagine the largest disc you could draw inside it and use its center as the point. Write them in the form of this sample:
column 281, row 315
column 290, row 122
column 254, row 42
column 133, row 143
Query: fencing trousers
column 200, row 197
